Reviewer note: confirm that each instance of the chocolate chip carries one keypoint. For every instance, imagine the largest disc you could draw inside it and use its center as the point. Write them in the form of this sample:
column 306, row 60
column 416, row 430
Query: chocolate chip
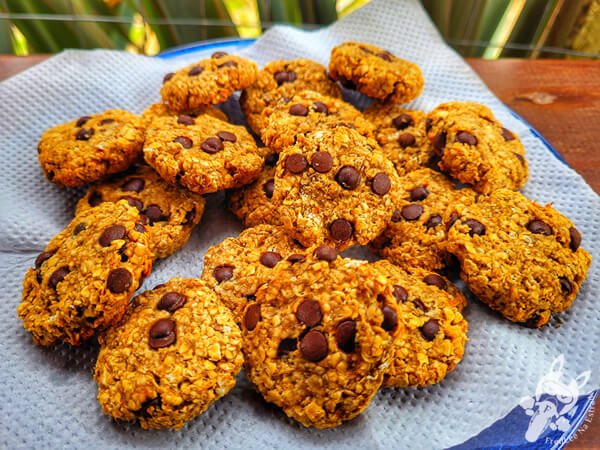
column 412, row 211
column 341, row 230
column 452, row 220
column 218, row 54
column 133, row 185
column 296, row 163
column 139, row 228
column 403, row 121
column 168, row 76
column 149, row 406
column 135, row 202
column 270, row 259
column 348, row 177
column 433, row 221
column 390, row 318
column 464, row 137
column 537, row 226
column 185, row 141
column 189, row 216
column 406, row 140
column 396, row 216
column 226, row 136
column 381, row 184
column 325, row 253
column 112, row 233
column 119, row 280
column 212, row 145
column 419, row 304
column 313, row 346
column 520, row 158
column 84, row 134
column 106, row 121
column 475, row 226
column 252, row 316
column 418, row 194
column 195, row 71
column 309, row 313
column 162, row 333
column 296, row 257
column 322, row 162
column 507, row 134
column 154, row 213
column 320, row 107
column 57, row 276
column 439, row 142
column 82, row 121
column 427, row 124
column 286, row 346
column 269, row 188
column 223, row 273
column 298, row 110
column 345, row 334
column 400, row 294
column 575, row 236
column 284, row 77
column 44, row 256
column 430, row 329
column 228, row 64
column 271, row 159
column 434, row 279
column 385, row 55
column 184, row 119
column 95, row 198
column 565, row 285
column 171, row 301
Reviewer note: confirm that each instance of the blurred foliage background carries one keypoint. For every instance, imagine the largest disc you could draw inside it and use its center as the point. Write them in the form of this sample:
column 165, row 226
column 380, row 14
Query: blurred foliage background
column 480, row 28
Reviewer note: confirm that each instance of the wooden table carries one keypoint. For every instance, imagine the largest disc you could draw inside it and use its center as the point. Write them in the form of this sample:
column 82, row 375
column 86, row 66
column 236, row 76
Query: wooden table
column 561, row 99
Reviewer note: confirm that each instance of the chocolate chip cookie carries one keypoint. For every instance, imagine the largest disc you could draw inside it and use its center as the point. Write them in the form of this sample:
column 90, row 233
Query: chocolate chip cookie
column 475, row 148
column 169, row 212
column 520, row 258
column 207, row 82
column 176, row 351
column 91, row 147
column 375, row 72
column 203, row 154
column 83, row 280
column 318, row 338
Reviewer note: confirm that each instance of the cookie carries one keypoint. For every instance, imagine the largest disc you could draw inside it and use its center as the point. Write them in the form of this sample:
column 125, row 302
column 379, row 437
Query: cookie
column 91, row 148
column 160, row 110
column 332, row 186
column 416, row 235
column 83, row 280
column 176, row 352
column 433, row 332
column 203, row 154
column 169, row 212
column 283, row 79
column 306, row 112
column 475, row 148
column 375, row 72
column 207, row 82
column 401, row 134
column 238, row 266
column 520, row 258
column 318, row 338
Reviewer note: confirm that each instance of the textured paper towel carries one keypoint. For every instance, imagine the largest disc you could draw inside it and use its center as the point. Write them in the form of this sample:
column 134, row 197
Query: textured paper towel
column 47, row 396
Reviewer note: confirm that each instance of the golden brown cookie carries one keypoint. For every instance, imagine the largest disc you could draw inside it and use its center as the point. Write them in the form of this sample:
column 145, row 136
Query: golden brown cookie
column 475, row 148
column 91, row 148
column 160, row 110
column 283, row 79
column 433, row 332
column 375, row 72
column 318, row 338
column 169, row 212
column 401, row 134
column 332, row 186
column 203, row 154
column 176, row 352
column 83, row 280
column 207, row 82
column 520, row 258
column 238, row 266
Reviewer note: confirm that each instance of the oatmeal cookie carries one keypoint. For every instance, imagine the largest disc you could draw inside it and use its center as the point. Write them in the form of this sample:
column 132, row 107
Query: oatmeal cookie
column 91, row 148
column 475, row 148
column 375, row 72
column 169, row 212
column 520, row 258
column 203, row 154
column 207, row 82
column 83, row 280
column 318, row 338
column 176, row 352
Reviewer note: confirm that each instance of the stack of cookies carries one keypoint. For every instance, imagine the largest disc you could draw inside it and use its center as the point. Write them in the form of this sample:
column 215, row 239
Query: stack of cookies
column 317, row 333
